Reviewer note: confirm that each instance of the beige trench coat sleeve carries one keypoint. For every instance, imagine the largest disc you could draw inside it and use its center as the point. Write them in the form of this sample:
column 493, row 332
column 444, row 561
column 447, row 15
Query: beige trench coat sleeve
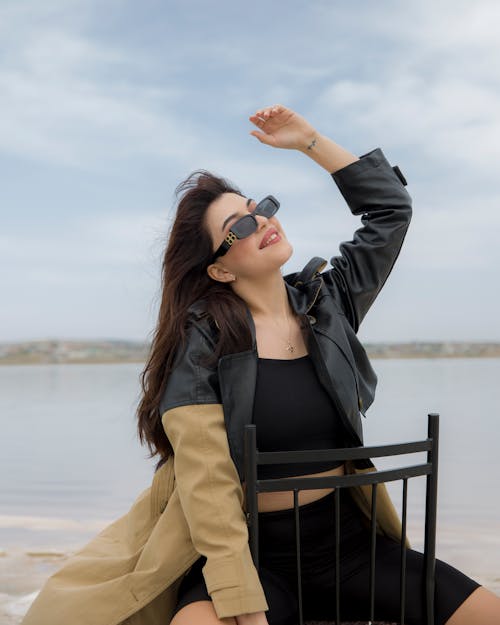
column 211, row 497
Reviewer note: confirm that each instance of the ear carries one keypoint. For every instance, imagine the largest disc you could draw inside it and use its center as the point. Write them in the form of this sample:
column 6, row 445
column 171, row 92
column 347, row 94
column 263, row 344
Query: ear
column 219, row 274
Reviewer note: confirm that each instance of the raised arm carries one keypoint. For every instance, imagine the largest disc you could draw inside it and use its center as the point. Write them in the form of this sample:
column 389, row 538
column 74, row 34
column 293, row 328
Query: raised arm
column 371, row 188
column 375, row 190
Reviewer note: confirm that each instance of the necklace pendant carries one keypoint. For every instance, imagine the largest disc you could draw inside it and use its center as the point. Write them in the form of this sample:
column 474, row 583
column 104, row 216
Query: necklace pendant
column 290, row 348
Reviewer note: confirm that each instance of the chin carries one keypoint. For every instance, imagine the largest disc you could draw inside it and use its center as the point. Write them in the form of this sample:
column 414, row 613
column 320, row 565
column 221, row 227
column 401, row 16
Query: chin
column 285, row 254
column 289, row 252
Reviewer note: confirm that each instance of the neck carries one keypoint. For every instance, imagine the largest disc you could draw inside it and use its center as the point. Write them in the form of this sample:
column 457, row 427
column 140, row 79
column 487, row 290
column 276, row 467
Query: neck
column 266, row 297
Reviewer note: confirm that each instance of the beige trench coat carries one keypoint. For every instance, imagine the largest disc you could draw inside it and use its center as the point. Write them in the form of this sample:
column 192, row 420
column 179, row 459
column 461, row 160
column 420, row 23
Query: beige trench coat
column 130, row 572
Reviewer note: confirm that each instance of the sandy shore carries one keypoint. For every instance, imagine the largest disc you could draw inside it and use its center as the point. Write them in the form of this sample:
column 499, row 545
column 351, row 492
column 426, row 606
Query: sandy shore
column 22, row 574
column 32, row 549
column 24, row 569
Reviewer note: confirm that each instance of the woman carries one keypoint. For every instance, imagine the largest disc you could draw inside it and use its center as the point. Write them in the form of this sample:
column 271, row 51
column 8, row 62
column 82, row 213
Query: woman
column 237, row 342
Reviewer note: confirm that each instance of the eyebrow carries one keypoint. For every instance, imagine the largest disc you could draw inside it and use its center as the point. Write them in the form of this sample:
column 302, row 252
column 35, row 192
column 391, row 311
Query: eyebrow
column 228, row 219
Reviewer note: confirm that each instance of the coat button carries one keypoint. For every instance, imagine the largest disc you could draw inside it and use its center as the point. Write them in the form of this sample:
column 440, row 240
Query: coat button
column 312, row 320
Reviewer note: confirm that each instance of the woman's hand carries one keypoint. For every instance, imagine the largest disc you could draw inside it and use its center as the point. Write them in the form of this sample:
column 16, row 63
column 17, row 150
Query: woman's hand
column 280, row 127
column 254, row 618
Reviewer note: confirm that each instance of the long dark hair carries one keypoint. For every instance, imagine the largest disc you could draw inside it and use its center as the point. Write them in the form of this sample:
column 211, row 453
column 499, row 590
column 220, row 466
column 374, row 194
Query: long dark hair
column 185, row 280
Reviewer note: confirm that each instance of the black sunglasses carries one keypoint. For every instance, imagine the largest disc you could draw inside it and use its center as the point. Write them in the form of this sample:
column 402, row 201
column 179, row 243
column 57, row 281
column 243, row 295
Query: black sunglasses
column 246, row 225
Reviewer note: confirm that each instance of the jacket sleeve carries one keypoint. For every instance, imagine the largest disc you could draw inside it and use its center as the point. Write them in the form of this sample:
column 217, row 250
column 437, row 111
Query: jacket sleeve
column 207, row 480
column 376, row 191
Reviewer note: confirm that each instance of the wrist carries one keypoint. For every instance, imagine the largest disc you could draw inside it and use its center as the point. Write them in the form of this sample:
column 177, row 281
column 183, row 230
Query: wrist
column 310, row 143
column 327, row 153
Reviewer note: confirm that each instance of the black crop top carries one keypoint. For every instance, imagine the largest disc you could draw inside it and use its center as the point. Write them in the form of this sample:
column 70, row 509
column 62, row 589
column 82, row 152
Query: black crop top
column 293, row 411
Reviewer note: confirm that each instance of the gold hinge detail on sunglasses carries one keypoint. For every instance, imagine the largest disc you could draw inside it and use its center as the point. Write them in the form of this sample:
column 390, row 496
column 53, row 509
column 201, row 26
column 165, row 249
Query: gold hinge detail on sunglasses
column 231, row 238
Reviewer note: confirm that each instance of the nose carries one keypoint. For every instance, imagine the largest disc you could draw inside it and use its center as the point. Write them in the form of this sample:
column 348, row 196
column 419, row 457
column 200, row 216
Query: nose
column 261, row 221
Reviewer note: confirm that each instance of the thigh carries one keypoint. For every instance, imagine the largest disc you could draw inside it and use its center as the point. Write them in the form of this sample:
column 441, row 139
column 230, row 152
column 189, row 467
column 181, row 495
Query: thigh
column 280, row 597
column 200, row 612
column 452, row 587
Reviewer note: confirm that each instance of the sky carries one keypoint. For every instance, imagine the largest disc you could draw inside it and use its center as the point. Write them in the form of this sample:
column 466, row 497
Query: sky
column 106, row 106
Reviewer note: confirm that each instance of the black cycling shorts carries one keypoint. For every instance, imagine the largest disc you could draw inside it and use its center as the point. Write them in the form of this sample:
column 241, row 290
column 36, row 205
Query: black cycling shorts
column 278, row 573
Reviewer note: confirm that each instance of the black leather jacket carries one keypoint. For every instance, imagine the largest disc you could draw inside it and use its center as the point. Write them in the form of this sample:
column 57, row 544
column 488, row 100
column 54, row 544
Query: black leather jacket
column 331, row 305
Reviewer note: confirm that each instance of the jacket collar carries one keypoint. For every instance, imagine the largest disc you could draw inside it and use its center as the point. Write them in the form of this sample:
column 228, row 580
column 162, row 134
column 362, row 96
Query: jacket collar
column 302, row 288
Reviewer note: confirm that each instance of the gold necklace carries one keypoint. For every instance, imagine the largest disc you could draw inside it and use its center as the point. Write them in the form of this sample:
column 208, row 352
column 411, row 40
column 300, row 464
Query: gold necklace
column 289, row 347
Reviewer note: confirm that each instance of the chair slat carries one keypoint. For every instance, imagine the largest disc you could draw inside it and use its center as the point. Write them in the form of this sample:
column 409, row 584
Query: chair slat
column 430, row 518
column 373, row 549
column 348, row 480
column 337, row 556
column 345, row 453
column 297, row 552
column 402, row 576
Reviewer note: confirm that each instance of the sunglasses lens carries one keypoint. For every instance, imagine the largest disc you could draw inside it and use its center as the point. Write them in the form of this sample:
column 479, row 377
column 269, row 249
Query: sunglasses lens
column 267, row 207
column 244, row 226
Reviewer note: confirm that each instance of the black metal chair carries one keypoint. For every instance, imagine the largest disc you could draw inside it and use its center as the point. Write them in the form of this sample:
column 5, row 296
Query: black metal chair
column 253, row 458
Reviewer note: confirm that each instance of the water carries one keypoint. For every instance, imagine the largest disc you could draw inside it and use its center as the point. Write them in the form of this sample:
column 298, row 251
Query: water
column 70, row 460
column 460, row 390
column 69, row 447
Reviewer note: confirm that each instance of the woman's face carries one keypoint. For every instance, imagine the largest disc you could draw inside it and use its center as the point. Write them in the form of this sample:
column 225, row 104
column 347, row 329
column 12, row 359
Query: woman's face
column 254, row 255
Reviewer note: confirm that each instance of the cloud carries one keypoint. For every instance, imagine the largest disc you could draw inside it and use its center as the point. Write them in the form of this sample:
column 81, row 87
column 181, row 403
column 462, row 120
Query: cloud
column 66, row 99
column 429, row 87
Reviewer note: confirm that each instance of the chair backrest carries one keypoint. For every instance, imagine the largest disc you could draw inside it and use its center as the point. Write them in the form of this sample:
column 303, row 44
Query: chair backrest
column 254, row 458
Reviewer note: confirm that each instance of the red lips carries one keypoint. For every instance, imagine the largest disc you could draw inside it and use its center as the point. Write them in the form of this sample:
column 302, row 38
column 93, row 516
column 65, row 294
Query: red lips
column 267, row 236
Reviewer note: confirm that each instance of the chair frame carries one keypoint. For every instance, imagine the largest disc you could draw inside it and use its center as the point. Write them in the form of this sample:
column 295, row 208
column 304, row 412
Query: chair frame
column 253, row 458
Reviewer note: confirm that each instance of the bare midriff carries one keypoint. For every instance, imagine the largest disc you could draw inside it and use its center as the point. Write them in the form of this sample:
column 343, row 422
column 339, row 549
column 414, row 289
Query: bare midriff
column 283, row 500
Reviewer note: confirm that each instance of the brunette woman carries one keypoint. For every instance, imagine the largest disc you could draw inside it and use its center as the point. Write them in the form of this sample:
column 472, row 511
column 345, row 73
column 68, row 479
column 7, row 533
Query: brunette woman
column 238, row 342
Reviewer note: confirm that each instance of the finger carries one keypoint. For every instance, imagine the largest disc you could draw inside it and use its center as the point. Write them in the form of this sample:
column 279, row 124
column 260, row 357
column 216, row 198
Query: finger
column 258, row 135
column 268, row 114
column 258, row 121
column 264, row 112
column 260, row 112
column 277, row 109
column 274, row 109
column 263, row 137
column 262, row 115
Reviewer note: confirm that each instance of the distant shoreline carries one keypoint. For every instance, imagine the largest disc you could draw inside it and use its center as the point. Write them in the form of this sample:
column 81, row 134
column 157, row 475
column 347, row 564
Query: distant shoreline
column 117, row 352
